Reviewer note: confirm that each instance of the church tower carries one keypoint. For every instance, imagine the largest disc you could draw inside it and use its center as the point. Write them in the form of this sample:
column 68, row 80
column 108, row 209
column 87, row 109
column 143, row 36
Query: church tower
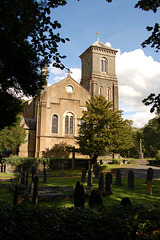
column 98, row 71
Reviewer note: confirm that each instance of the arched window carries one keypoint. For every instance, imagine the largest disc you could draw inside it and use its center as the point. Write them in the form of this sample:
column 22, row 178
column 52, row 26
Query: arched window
column 101, row 90
column 69, row 124
column 55, row 124
column 104, row 65
column 109, row 94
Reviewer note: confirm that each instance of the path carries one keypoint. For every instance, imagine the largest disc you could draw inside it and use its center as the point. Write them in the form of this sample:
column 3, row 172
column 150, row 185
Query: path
column 140, row 171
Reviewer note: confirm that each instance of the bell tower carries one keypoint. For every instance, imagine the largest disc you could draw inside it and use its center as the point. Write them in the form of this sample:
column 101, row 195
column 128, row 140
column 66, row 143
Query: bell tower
column 98, row 71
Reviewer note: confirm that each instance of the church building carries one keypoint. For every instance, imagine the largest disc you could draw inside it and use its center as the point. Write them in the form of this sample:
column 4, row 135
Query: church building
column 53, row 117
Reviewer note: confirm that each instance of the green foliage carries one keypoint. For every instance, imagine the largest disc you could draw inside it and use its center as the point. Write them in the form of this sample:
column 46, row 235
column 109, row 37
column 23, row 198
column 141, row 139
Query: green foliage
column 158, row 155
column 61, row 150
column 102, row 129
column 26, row 163
column 133, row 222
column 151, row 135
column 28, row 40
column 12, row 137
column 116, row 161
column 153, row 100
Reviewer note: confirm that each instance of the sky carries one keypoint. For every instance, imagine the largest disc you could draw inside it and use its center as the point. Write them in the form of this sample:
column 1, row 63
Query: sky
column 122, row 27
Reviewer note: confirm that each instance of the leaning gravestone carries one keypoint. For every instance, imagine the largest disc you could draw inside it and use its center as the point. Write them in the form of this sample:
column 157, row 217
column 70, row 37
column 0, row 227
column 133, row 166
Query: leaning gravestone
column 27, row 180
column 90, row 179
column 109, row 183
column 118, row 177
column 35, row 190
column 79, row 198
column 95, row 199
column 19, row 194
column 83, row 178
column 101, row 182
column 97, row 169
column 22, row 180
column 131, row 179
column 150, row 175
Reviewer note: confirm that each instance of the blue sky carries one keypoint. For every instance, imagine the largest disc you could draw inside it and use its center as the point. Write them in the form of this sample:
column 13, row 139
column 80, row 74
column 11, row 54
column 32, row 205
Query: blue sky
column 124, row 27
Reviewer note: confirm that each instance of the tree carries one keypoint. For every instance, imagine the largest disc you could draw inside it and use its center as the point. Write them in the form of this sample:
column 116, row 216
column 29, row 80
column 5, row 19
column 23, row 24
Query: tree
column 11, row 137
column 102, row 130
column 153, row 100
column 27, row 42
column 151, row 135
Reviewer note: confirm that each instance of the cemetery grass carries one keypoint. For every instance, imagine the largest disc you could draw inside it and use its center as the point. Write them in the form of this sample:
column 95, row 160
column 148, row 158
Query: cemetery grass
column 138, row 195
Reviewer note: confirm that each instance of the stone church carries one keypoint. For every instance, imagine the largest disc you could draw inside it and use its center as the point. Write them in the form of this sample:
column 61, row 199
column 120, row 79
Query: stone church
column 53, row 117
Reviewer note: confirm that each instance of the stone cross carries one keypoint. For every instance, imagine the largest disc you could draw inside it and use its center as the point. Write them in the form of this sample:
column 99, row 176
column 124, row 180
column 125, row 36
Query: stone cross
column 97, row 35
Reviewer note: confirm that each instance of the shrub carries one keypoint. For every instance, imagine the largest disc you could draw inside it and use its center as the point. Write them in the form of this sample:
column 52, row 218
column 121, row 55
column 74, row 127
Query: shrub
column 116, row 161
column 158, row 155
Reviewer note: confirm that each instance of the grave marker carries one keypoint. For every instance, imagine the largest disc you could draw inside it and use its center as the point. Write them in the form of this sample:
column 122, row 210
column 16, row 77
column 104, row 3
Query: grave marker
column 109, row 183
column 131, row 179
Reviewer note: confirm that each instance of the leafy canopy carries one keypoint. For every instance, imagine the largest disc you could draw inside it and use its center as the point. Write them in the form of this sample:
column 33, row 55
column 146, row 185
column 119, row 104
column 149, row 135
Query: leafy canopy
column 27, row 42
column 102, row 129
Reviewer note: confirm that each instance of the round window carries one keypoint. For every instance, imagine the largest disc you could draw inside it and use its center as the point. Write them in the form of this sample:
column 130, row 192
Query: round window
column 69, row 89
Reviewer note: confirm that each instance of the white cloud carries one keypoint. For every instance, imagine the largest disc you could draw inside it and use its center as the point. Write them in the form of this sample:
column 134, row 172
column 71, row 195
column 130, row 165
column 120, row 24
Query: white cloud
column 76, row 74
column 138, row 76
column 108, row 44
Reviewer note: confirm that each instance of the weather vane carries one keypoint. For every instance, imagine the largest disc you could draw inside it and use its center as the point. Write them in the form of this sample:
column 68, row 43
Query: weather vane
column 97, row 35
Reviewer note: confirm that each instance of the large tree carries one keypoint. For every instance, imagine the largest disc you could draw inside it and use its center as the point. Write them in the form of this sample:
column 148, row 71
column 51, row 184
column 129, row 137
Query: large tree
column 151, row 135
column 27, row 42
column 11, row 137
column 102, row 130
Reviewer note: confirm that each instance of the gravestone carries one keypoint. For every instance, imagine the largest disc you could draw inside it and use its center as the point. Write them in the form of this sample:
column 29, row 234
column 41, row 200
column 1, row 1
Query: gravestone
column 95, row 199
column 35, row 190
column 109, row 183
column 118, row 177
column 33, row 172
column 131, row 179
column 44, row 175
column 83, row 178
column 1, row 167
column 125, row 202
column 22, row 176
column 101, row 182
column 27, row 180
column 90, row 179
column 79, row 198
column 19, row 194
column 4, row 167
column 150, row 175
column 97, row 169
column 149, row 188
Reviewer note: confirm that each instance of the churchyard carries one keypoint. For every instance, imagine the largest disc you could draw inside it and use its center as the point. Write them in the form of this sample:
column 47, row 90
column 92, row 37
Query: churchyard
column 57, row 187
column 80, row 204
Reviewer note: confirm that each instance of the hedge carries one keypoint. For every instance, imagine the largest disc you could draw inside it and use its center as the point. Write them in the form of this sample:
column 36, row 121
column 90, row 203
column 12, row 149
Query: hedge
column 114, row 222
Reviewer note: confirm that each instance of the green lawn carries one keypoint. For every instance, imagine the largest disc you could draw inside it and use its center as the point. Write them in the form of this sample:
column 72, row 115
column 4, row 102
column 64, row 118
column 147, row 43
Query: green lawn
column 138, row 195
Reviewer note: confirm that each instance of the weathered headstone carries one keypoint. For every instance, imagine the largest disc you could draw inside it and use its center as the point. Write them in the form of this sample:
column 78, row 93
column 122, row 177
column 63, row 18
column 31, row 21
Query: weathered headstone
column 83, row 178
column 27, row 179
column 95, row 199
column 109, row 183
column 131, row 179
column 125, row 202
column 97, row 169
column 73, row 158
column 4, row 167
column 90, row 179
column 1, row 167
column 101, row 182
column 33, row 172
column 19, row 194
column 150, row 173
column 22, row 180
column 35, row 190
column 79, row 198
column 118, row 177
column 149, row 188
column 44, row 175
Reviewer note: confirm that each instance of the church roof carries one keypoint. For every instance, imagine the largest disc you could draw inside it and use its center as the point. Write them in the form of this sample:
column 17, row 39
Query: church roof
column 102, row 45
